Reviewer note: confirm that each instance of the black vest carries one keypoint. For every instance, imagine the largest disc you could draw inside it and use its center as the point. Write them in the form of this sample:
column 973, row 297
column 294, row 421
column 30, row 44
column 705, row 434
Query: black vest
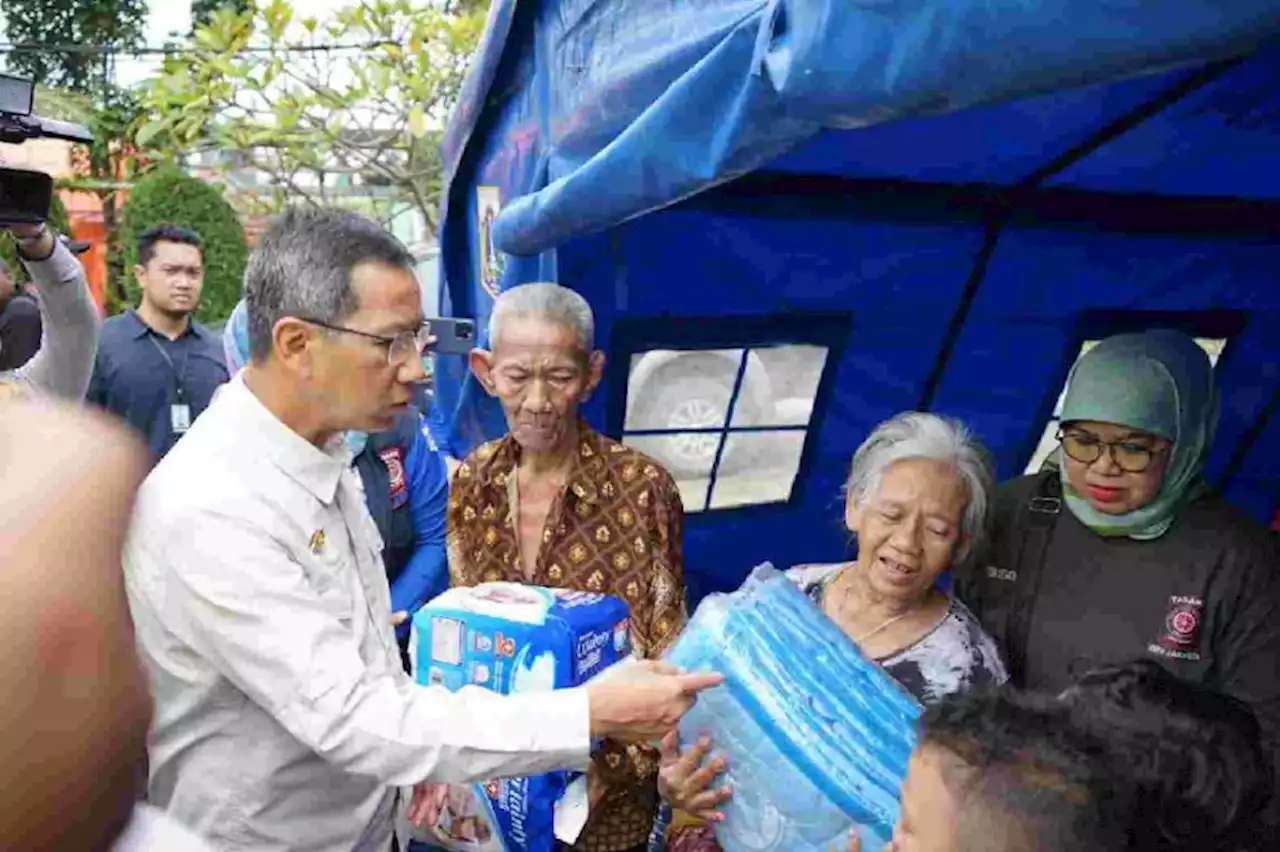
column 386, row 489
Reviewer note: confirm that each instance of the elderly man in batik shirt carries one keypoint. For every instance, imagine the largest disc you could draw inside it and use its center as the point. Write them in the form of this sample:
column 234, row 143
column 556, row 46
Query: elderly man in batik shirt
column 555, row 503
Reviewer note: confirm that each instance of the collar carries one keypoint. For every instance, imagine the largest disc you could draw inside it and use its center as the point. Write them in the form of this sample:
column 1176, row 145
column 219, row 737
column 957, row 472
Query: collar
column 316, row 470
column 140, row 329
column 579, row 480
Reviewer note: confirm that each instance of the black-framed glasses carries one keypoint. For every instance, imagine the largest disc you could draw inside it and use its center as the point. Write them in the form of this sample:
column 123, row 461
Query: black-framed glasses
column 1130, row 455
column 401, row 348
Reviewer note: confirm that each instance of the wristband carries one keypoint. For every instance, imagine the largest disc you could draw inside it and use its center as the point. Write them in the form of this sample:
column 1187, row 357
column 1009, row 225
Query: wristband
column 21, row 243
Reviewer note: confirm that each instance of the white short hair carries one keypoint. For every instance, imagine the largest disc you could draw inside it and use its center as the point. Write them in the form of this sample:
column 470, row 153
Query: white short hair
column 544, row 301
column 920, row 435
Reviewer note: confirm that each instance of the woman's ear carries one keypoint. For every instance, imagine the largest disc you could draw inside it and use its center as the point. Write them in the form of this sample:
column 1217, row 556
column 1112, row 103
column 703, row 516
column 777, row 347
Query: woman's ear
column 852, row 514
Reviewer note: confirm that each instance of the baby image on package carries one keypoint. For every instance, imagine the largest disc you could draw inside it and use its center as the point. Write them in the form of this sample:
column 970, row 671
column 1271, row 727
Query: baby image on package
column 510, row 638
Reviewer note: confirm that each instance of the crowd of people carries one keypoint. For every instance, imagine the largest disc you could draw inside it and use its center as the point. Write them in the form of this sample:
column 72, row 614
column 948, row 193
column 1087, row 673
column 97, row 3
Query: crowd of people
column 1102, row 675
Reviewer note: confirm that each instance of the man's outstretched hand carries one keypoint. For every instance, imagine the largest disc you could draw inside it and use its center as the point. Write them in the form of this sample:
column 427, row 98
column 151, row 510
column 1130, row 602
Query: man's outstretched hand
column 641, row 701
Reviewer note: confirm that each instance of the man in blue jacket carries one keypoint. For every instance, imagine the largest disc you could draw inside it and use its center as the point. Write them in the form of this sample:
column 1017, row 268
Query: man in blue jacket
column 406, row 488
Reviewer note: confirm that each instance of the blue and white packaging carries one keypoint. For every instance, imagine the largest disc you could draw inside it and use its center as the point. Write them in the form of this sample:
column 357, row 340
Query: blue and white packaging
column 817, row 737
column 511, row 638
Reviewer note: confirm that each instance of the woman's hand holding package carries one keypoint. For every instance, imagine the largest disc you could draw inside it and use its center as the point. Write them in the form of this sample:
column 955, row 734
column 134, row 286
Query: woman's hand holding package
column 684, row 778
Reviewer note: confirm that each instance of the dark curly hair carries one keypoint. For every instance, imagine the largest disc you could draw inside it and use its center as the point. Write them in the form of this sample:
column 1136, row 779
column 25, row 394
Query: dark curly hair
column 1024, row 777
column 1203, row 779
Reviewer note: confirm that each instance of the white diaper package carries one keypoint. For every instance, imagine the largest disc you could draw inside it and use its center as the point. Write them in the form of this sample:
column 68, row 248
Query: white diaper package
column 512, row 638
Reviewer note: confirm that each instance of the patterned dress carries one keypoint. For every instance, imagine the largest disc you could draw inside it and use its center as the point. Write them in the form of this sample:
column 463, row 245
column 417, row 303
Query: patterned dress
column 956, row 656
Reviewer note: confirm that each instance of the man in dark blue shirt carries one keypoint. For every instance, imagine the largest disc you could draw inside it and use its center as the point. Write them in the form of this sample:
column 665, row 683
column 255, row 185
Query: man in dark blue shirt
column 157, row 368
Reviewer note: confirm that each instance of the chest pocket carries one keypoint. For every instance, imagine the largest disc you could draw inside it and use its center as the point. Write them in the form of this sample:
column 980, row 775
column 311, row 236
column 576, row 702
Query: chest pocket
column 327, row 563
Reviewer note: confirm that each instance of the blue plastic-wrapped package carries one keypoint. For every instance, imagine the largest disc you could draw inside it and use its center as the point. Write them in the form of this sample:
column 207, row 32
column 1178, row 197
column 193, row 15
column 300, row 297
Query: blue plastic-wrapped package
column 817, row 736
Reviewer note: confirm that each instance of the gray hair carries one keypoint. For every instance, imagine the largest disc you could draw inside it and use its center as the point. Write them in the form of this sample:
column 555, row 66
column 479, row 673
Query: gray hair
column 544, row 301
column 302, row 268
column 920, row 435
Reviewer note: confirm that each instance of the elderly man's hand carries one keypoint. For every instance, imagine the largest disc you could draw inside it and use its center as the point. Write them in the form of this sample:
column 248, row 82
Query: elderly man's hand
column 428, row 802
column 641, row 701
column 684, row 778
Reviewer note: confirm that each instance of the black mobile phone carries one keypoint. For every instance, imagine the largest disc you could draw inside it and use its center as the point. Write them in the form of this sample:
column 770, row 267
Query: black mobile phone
column 25, row 196
column 454, row 336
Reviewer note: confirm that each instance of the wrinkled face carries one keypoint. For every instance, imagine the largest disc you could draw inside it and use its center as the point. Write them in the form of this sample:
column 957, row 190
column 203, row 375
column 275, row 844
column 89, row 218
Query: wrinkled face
column 173, row 279
column 929, row 820
column 351, row 375
column 909, row 531
column 540, row 373
column 1105, row 483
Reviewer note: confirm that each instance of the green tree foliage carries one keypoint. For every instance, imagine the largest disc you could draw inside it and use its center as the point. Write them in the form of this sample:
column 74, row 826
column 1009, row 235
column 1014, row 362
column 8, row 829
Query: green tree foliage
column 325, row 126
column 168, row 195
column 44, row 29
column 9, row 253
column 202, row 11
column 96, row 31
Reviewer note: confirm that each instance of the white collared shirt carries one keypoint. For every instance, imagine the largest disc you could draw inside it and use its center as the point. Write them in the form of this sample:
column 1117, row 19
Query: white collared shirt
column 283, row 718
column 152, row 831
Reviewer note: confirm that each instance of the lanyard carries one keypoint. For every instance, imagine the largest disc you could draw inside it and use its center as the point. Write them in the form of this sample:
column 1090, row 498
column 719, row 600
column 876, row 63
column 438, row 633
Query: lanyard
column 178, row 376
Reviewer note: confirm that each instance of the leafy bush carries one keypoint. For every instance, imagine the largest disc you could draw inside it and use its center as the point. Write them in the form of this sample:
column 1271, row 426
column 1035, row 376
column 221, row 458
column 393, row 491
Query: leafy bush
column 168, row 195
column 9, row 252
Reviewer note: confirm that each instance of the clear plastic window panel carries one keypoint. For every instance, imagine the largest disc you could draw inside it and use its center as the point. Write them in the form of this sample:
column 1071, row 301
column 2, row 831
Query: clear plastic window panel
column 674, row 392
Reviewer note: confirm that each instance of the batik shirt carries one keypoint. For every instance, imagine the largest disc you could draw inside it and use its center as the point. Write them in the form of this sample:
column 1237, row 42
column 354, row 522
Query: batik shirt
column 615, row 528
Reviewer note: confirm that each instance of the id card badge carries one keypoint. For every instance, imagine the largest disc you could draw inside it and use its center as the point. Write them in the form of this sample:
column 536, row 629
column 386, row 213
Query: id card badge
column 180, row 417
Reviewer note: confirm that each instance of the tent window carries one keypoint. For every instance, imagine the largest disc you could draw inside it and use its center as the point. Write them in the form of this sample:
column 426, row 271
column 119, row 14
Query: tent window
column 730, row 424
column 1048, row 438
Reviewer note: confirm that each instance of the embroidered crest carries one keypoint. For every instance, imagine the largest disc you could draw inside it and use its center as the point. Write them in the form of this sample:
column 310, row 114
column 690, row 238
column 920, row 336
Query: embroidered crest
column 1179, row 636
column 397, row 485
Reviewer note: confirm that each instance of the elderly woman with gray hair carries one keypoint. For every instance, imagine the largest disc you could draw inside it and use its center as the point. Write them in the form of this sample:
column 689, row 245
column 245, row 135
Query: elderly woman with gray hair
column 917, row 502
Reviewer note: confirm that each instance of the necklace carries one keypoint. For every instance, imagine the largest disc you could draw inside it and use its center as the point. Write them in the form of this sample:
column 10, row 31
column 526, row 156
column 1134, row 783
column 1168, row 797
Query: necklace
column 884, row 625
column 880, row 628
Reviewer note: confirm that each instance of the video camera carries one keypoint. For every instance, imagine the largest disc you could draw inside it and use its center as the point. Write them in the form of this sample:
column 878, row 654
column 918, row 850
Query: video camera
column 25, row 195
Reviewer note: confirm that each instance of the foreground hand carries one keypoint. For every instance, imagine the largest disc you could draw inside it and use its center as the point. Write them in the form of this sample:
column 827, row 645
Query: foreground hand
column 683, row 779
column 641, row 701
column 427, row 803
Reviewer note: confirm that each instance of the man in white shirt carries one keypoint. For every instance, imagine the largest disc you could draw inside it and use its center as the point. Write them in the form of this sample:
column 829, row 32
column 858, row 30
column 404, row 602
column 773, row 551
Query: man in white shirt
column 284, row 720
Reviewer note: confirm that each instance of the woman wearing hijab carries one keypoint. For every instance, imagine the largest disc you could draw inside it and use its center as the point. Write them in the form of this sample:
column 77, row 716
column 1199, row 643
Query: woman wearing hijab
column 406, row 487
column 1121, row 550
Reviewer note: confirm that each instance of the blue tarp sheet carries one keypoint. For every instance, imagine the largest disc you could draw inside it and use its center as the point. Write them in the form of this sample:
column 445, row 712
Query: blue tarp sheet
column 963, row 191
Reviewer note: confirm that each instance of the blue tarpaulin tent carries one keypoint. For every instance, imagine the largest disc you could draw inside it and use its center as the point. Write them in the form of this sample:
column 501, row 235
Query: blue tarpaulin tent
column 795, row 218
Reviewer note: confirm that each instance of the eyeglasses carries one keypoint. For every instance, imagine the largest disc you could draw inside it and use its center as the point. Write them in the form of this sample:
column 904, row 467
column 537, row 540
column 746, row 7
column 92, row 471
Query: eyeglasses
column 401, row 348
column 1130, row 455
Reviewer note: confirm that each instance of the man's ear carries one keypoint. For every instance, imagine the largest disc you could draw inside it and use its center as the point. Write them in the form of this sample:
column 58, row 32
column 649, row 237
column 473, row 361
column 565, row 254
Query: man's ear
column 140, row 274
column 595, row 373
column 481, row 363
column 290, row 340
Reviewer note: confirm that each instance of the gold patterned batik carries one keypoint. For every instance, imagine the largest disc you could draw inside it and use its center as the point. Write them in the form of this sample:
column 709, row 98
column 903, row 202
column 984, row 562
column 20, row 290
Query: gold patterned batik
column 615, row 528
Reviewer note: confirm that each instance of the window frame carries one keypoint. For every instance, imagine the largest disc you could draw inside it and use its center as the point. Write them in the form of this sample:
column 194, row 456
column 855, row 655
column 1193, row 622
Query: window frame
column 636, row 336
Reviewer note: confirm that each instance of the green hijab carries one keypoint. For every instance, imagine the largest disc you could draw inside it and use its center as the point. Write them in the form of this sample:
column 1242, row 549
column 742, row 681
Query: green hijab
column 1161, row 382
